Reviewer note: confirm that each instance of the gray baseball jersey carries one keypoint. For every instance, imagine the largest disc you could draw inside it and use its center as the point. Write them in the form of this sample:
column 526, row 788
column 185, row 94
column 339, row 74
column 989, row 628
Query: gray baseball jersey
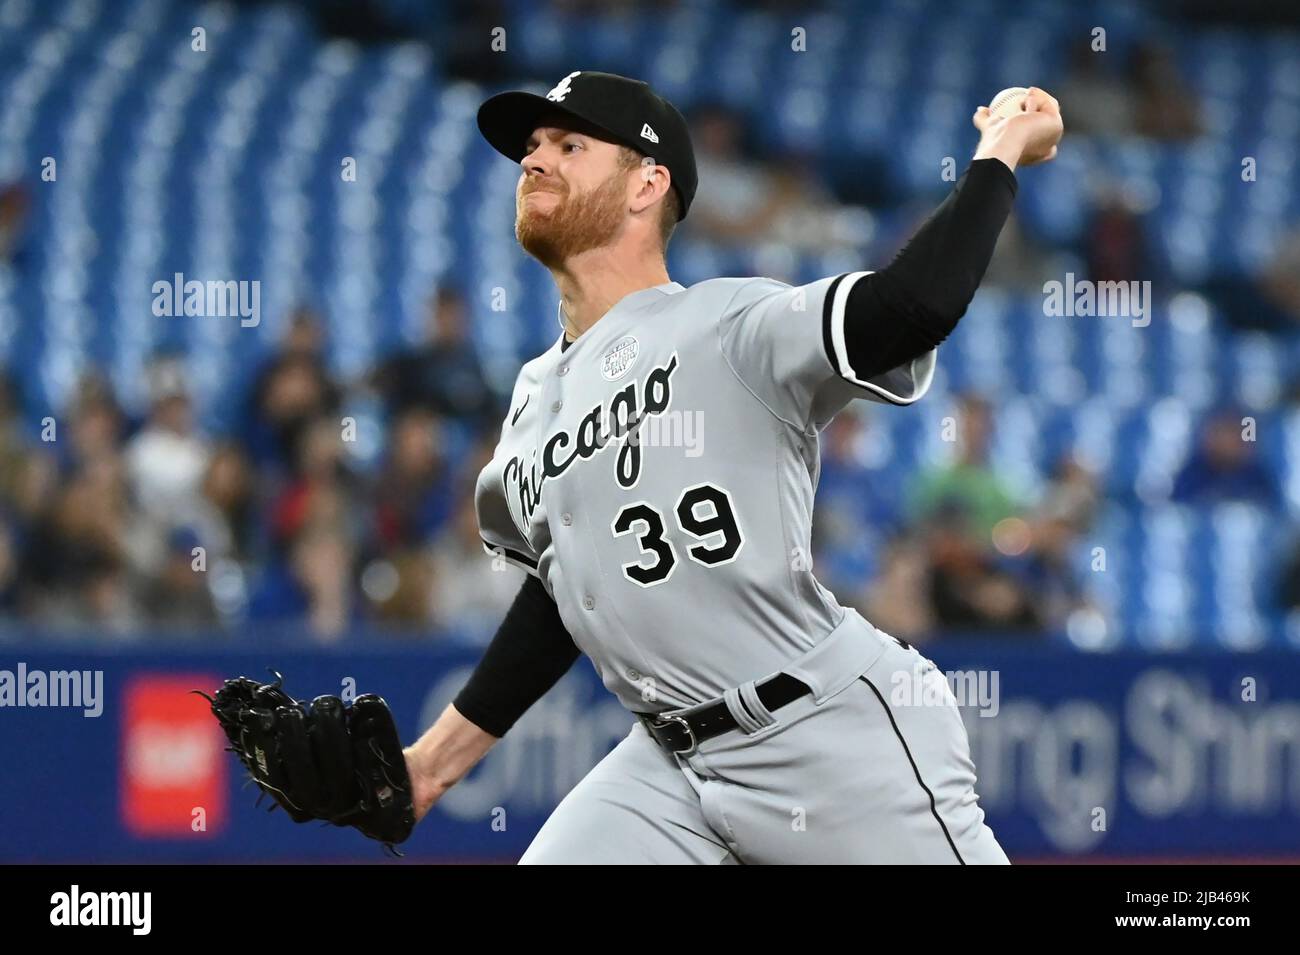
column 658, row 476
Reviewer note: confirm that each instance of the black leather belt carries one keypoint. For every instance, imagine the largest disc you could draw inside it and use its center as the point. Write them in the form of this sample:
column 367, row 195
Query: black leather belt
column 682, row 734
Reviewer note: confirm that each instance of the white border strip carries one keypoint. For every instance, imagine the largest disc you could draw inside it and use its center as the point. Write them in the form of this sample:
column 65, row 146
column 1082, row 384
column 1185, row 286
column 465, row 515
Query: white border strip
column 845, row 370
column 501, row 552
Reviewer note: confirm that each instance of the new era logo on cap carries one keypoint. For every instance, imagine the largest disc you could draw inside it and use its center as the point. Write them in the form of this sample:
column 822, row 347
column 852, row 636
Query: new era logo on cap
column 620, row 109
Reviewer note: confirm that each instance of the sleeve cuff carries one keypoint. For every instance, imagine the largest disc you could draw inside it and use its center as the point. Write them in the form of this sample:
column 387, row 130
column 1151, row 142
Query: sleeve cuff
column 898, row 386
column 517, row 558
column 993, row 169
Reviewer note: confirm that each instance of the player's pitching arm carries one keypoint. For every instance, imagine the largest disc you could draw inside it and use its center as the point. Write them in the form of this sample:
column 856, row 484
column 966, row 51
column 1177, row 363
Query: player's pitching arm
column 896, row 315
column 529, row 653
column 878, row 330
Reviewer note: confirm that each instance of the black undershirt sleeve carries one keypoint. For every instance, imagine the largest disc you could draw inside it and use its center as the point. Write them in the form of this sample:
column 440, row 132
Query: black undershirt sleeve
column 896, row 315
column 530, row 652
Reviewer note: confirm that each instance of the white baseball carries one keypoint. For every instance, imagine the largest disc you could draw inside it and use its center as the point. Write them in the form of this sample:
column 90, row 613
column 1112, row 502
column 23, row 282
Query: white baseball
column 1007, row 103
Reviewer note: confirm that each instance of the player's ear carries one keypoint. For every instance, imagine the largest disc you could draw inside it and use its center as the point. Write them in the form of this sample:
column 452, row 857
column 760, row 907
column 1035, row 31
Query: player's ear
column 649, row 183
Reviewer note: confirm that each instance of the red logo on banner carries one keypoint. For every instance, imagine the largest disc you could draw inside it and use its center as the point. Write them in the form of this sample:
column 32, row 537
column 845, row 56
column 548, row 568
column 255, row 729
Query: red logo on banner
column 173, row 772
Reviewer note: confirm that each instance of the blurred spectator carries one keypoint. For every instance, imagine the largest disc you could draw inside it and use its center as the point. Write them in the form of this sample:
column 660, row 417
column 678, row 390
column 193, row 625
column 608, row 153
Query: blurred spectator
column 813, row 220
column 35, row 481
column 1049, row 569
column 458, row 39
column 1073, row 494
column 968, row 591
column 472, row 590
column 321, row 488
column 1224, row 466
column 1143, row 94
column 1268, row 301
column 411, row 494
column 1164, row 106
column 443, row 374
column 96, row 426
column 1279, row 285
column 177, row 598
column 225, row 512
column 411, row 501
column 74, row 561
column 969, row 482
column 1045, row 553
column 855, row 513
column 167, row 458
column 898, row 599
column 741, row 201
column 315, row 585
column 313, row 582
column 1288, row 591
column 397, row 588
column 746, row 201
column 77, row 565
column 291, row 391
column 1093, row 94
column 314, row 526
column 9, row 590
column 1115, row 243
column 15, row 204
column 14, row 448
column 323, row 565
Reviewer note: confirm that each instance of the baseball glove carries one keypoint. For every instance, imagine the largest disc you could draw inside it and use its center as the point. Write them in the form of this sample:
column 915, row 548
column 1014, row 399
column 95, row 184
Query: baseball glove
column 320, row 760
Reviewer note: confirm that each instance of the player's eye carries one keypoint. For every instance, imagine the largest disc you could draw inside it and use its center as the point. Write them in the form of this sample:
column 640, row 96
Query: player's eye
column 572, row 145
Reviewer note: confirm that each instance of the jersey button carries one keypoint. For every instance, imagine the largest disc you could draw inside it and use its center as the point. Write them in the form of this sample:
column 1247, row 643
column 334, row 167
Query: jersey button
column 563, row 370
column 557, row 406
column 588, row 603
column 634, row 675
column 566, row 518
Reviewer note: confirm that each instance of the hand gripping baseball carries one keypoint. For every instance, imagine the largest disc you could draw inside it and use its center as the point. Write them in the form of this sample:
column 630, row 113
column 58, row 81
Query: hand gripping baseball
column 1023, row 129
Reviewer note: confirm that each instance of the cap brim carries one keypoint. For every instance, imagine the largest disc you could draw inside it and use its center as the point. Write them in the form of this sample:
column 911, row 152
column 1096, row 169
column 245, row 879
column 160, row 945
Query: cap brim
column 508, row 119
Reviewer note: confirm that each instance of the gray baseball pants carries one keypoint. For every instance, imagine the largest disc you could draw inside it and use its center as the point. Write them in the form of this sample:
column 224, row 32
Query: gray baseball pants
column 855, row 772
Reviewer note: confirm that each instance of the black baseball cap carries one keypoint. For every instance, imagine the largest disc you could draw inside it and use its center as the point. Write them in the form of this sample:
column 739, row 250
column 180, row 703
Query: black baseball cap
column 627, row 111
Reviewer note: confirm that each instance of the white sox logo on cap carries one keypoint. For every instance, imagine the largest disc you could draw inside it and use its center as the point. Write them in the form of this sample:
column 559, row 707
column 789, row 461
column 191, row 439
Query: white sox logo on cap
column 562, row 88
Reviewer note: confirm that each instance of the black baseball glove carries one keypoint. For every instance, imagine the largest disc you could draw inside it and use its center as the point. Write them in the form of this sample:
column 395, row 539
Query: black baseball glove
column 320, row 760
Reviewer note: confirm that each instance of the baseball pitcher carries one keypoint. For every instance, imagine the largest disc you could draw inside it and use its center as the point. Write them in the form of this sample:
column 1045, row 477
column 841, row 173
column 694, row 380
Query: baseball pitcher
column 764, row 728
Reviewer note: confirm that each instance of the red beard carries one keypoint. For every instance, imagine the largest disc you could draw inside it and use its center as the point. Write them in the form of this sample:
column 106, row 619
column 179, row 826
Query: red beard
column 573, row 224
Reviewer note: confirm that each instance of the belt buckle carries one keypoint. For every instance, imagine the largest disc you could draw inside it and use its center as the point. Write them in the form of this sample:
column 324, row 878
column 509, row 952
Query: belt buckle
column 664, row 718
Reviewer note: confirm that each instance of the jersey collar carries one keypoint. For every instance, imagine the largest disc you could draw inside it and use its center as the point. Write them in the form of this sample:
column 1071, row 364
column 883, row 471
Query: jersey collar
column 631, row 300
column 637, row 298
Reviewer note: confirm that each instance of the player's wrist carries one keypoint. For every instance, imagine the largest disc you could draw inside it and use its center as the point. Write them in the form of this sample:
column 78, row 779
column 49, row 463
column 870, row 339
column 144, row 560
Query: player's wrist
column 422, row 761
column 448, row 751
column 1006, row 144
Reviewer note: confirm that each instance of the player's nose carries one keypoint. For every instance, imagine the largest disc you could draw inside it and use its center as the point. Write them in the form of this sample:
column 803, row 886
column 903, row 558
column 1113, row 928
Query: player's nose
column 537, row 161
